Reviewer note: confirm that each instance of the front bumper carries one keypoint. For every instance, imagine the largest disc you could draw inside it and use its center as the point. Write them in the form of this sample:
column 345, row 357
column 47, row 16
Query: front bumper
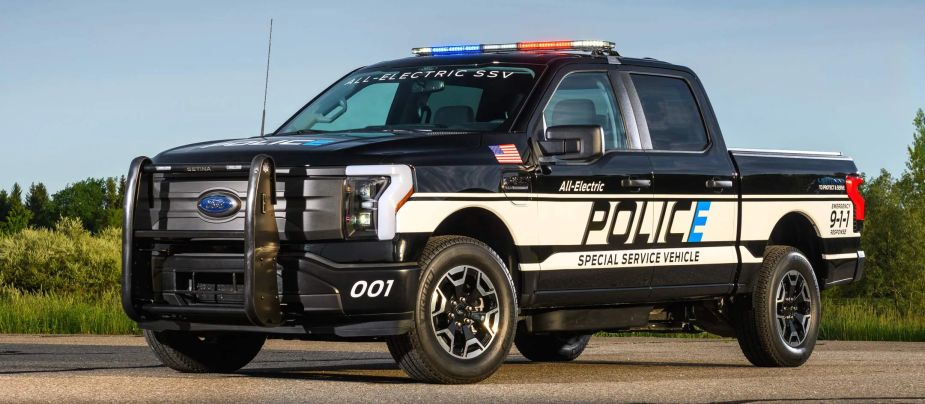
column 247, row 281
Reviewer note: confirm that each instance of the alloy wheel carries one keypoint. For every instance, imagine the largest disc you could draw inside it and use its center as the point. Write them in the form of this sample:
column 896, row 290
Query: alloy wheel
column 793, row 308
column 465, row 312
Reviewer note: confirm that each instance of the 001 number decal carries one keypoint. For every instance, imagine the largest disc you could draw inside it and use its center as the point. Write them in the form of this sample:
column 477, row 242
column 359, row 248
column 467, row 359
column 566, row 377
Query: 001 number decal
column 371, row 289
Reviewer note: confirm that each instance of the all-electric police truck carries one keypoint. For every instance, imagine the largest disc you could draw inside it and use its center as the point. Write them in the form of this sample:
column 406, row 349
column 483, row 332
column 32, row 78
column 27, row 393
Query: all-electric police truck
column 477, row 196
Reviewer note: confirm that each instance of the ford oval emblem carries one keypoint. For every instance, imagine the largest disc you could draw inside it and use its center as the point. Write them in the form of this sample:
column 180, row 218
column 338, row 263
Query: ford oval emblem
column 219, row 204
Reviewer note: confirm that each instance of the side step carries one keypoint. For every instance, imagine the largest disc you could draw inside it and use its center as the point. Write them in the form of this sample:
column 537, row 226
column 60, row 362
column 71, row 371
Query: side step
column 261, row 246
column 589, row 319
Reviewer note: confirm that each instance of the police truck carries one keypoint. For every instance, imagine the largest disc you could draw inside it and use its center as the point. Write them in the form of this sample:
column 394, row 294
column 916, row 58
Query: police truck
column 473, row 197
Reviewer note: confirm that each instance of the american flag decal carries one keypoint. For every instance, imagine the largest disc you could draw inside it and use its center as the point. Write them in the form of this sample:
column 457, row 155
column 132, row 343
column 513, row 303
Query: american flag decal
column 506, row 153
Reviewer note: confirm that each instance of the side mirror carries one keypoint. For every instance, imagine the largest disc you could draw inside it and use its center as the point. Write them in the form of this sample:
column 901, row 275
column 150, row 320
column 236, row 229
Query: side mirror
column 573, row 142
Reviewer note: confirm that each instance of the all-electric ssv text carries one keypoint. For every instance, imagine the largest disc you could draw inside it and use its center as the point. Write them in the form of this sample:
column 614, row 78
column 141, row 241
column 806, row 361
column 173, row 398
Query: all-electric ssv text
column 477, row 196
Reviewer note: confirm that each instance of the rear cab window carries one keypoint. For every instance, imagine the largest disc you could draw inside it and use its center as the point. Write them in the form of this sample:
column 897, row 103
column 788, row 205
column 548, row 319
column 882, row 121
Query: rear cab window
column 671, row 113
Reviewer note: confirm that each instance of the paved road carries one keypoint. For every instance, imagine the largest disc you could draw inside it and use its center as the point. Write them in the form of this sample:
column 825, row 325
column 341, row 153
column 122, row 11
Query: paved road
column 69, row 369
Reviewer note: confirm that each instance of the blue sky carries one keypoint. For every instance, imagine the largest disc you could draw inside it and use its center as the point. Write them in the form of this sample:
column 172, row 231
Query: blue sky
column 86, row 86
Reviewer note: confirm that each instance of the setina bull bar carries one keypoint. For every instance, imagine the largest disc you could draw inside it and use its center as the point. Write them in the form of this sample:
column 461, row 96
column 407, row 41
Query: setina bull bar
column 261, row 247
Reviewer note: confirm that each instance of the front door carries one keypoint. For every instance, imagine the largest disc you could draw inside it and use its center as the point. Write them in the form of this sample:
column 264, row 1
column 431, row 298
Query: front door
column 592, row 250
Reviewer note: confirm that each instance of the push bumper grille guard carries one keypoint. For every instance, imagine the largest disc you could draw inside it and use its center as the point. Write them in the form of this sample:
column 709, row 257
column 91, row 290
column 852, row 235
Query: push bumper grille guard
column 261, row 244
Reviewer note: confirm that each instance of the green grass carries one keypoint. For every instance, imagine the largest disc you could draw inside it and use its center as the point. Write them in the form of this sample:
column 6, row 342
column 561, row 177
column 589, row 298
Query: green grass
column 870, row 320
column 845, row 320
column 37, row 313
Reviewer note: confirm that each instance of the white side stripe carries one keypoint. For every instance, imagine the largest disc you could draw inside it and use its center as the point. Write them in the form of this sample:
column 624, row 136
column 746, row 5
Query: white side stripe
column 748, row 258
column 828, row 257
column 614, row 259
column 499, row 195
column 801, row 196
column 529, row 267
column 589, row 260
column 493, row 195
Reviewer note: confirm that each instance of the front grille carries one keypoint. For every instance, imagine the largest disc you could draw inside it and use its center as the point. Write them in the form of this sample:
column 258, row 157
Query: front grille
column 307, row 207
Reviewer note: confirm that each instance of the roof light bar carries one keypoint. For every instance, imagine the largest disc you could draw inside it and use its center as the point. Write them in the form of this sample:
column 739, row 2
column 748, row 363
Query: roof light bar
column 590, row 46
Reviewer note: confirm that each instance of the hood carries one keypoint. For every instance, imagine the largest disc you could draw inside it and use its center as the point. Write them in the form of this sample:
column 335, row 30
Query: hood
column 335, row 149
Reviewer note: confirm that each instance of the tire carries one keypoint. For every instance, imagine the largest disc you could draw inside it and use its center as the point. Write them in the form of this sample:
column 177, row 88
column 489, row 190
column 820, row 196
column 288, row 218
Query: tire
column 217, row 353
column 553, row 347
column 430, row 352
column 771, row 324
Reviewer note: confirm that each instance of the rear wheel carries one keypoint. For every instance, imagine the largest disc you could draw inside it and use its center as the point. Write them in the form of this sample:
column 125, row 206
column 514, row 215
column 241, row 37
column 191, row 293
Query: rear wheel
column 214, row 353
column 464, row 320
column 778, row 324
column 552, row 347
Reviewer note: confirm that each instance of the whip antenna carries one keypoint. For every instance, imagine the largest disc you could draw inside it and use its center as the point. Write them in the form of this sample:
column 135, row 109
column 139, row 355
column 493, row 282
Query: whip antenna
column 266, row 80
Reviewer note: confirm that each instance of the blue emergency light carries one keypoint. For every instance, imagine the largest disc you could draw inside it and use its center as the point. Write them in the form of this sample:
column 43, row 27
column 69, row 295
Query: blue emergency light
column 590, row 46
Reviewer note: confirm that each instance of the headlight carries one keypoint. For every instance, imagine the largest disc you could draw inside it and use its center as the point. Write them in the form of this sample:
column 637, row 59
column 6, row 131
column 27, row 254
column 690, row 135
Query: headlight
column 361, row 204
column 373, row 196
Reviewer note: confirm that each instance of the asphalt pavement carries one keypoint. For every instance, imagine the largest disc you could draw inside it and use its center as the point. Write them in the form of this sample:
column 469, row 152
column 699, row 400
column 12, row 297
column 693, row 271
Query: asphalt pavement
column 122, row 369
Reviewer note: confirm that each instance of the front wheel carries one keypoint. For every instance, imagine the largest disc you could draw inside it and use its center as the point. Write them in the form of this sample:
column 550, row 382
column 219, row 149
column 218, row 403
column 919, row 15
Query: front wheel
column 778, row 324
column 464, row 319
column 213, row 353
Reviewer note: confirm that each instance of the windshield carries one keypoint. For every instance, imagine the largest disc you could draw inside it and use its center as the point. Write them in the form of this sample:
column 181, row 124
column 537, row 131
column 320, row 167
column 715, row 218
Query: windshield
column 426, row 98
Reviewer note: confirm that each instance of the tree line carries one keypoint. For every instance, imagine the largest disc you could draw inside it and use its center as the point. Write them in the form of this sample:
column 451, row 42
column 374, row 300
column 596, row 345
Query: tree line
column 893, row 237
column 95, row 202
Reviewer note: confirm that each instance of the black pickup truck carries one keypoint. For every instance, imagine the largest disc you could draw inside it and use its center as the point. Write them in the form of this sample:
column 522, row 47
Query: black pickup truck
column 473, row 197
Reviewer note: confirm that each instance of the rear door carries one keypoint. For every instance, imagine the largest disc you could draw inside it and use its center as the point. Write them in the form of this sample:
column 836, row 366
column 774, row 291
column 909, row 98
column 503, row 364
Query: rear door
column 695, row 184
column 592, row 211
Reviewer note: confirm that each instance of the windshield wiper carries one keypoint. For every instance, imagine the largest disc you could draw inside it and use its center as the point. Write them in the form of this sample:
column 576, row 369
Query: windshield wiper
column 425, row 128
column 376, row 129
column 325, row 132
column 301, row 132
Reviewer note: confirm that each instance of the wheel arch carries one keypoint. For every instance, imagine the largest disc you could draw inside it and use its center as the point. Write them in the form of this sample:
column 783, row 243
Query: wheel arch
column 487, row 227
column 796, row 229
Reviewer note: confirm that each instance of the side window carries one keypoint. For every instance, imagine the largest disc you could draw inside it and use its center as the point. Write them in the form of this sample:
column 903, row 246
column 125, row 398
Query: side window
column 671, row 113
column 363, row 108
column 587, row 99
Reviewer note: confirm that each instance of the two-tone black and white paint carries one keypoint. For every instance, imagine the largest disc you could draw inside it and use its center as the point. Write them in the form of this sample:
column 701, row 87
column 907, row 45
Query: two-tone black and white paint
column 650, row 223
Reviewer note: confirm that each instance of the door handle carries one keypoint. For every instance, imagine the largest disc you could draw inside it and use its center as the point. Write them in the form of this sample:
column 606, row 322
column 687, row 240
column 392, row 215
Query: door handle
column 635, row 183
column 715, row 183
